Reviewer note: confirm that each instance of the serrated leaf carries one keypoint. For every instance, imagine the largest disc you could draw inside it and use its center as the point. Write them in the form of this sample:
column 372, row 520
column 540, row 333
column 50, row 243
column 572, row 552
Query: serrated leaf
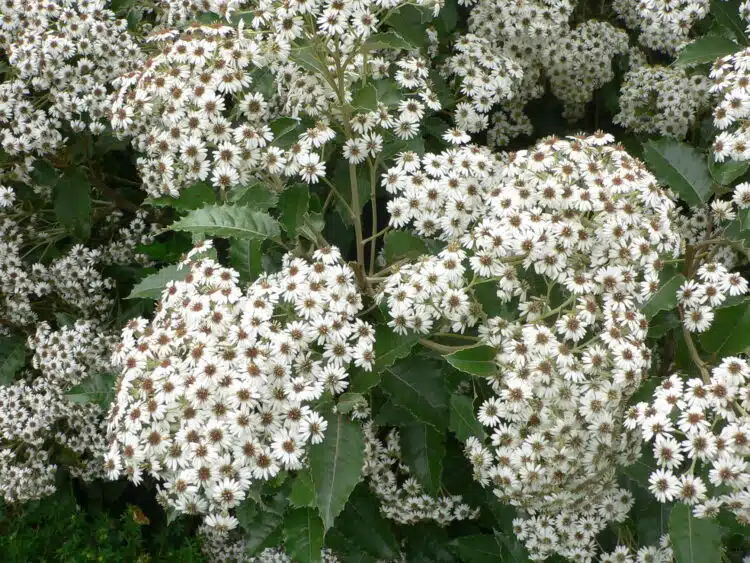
column 303, row 491
column 152, row 286
column 390, row 346
column 196, row 196
column 12, row 358
column 705, row 49
column 366, row 98
column 98, row 388
column 665, row 299
column 423, row 450
column 694, row 540
column 419, row 386
column 478, row 548
column 303, row 535
column 386, row 40
column 336, row 466
column 229, row 221
column 256, row 196
column 362, row 523
column 681, row 167
column 400, row 244
column 463, row 420
column 477, row 360
column 726, row 172
column 293, row 204
column 730, row 331
column 72, row 201
column 727, row 13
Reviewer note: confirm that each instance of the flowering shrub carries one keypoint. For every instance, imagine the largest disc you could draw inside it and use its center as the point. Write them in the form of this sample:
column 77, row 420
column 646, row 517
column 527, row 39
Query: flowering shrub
column 375, row 280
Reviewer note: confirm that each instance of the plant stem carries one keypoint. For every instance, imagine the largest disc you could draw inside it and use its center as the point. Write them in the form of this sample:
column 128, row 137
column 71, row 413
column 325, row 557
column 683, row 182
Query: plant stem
column 357, row 219
column 374, row 209
column 694, row 355
column 440, row 348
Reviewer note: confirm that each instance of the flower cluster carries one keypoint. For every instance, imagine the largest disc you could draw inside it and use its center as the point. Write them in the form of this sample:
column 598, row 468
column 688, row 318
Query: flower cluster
column 661, row 101
column 661, row 553
column 214, row 392
column 699, row 297
column 730, row 77
column 663, row 25
column 402, row 498
column 700, row 432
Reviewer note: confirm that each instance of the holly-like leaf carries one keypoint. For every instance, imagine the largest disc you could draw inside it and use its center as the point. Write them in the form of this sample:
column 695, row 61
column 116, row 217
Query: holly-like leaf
column 390, row 346
column 400, row 244
column 363, row 524
column 229, row 221
column 152, row 286
column 303, row 535
column 336, row 466
column 423, row 449
column 665, row 299
column 477, row 360
column 706, row 49
column 463, row 420
column 694, row 540
column 293, row 204
column 419, row 386
column 12, row 358
column 681, row 167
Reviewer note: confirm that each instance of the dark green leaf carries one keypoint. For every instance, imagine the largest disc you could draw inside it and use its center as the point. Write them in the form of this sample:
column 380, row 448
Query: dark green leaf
column 349, row 401
column 730, row 331
column 98, row 388
column 388, row 92
column 419, row 386
column 256, row 196
column 44, row 173
column 705, row 50
column 196, row 196
column 727, row 13
column 726, row 172
column 386, row 40
column 286, row 131
column 448, row 16
column 694, row 540
column 477, row 360
column 366, row 98
column 245, row 257
column 423, row 450
column 151, row 287
column 681, row 167
column 229, row 221
column 390, row 346
column 363, row 524
column 293, row 204
column 72, row 194
column 401, row 244
column 361, row 381
column 463, row 420
column 479, row 548
column 336, row 466
column 303, row 535
column 303, row 490
column 665, row 299
column 12, row 358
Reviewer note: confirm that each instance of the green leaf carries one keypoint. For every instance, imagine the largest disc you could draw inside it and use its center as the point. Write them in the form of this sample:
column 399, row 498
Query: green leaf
column 665, row 299
column 400, row 244
column 694, row 540
column 304, row 55
column 336, row 466
column 388, row 92
column 479, row 548
column 286, row 131
column 390, row 346
column 303, row 491
column 463, row 420
column 706, row 50
column 361, row 381
column 448, row 16
column 72, row 200
column 293, row 204
column 245, row 257
column 730, row 331
column 151, row 287
column 477, row 360
column 256, row 196
column 366, row 98
column 727, row 13
column 682, row 167
column 349, row 401
column 418, row 385
column 44, row 173
column 262, row 523
column 386, row 40
column 303, row 535
column 229, row 221
column 726, row 172
column 198, row 195
column 12, row 358
column 423, row 450
column 362, row 523
column 408, row 22
column 98, row 388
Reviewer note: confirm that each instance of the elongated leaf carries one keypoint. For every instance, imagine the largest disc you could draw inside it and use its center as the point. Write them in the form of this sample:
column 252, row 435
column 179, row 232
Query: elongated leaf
column 336, row 466
column 390, row 346
column 665, row 299
column 245, row 257
column 727, row 13
column 196, row 196
column 72, row 195
column 419, row 386
column 726, row 172
column 151, row 287
column 229, row 221
column 477, row 360
column 730, row 331
column 400, row 244
column 12, row 358
column 694, row 540
column 363, row 524
column 423, row 449
column 706, row 50
column 463, row 420
column 681, row 167
column 477, row 549
column 293, row 204
column 303, row 535
column 387, row 40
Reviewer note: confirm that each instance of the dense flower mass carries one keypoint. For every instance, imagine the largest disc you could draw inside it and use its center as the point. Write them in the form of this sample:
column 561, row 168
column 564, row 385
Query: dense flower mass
column 215, row 391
